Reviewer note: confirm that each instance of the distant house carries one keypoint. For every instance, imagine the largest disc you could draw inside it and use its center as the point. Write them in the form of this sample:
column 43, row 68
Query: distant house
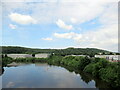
column 109, row 57
column 78, row 55
column 19, row 55
column 42, row 55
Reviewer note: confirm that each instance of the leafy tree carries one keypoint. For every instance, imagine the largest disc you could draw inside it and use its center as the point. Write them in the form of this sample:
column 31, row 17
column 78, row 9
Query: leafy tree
column 89, row 68
column 108, row 74
column 33, row 55
column 84, row 62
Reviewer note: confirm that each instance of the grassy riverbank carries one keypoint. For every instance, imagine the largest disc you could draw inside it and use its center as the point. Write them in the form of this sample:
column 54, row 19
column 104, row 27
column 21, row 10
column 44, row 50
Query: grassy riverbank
column 97, row 67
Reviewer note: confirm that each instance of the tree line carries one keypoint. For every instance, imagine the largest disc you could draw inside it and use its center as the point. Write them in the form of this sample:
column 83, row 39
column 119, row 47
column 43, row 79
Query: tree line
column 61, row 52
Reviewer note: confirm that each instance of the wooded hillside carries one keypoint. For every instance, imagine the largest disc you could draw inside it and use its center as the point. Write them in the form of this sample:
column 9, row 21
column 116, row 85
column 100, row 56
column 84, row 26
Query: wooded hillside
column 67, row 51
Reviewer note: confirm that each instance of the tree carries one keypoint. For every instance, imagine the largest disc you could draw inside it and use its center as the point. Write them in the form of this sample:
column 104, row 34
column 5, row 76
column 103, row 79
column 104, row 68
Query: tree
column 84, row 62
column 92, row 55
column 33, row 55
column 111, row 53
column 6, row 55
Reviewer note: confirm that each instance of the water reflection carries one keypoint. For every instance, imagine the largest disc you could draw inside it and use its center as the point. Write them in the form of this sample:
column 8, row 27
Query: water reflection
column 87, row 78
column 37, row 75
column 1, row 70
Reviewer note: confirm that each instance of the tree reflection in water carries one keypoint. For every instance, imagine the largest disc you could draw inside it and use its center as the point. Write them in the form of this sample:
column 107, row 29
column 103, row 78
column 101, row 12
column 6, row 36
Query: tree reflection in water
column 87, row 78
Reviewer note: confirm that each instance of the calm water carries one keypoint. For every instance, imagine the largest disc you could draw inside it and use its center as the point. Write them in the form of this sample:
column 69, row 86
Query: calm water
column 42, row 76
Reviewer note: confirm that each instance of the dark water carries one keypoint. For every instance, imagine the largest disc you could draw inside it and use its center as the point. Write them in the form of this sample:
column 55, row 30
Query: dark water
column 39, row 75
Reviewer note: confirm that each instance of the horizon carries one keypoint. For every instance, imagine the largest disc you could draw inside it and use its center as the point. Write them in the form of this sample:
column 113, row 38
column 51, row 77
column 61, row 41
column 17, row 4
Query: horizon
column 61, row 24
column 58, row 48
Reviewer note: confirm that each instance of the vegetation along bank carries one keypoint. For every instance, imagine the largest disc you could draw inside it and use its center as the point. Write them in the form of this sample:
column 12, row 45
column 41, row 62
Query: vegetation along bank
column 97, row 67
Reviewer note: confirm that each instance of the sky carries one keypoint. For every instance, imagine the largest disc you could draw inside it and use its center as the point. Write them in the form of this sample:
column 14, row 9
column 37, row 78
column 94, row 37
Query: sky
column 60, row 23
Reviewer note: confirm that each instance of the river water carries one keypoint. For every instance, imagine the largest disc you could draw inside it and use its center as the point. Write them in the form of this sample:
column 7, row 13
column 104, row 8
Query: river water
column 39, row 75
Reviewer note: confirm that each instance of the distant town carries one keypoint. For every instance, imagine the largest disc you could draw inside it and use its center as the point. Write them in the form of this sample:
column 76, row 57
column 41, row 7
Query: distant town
column 111, row 58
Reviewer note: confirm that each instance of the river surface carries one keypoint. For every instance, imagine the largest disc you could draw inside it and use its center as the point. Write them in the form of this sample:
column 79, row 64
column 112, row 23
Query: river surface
column 39, row 75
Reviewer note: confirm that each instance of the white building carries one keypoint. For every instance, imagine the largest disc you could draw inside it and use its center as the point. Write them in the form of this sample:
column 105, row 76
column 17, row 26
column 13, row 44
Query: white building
column 78, row 55
column 42, row 55
column 19, row 55
column 109, row 57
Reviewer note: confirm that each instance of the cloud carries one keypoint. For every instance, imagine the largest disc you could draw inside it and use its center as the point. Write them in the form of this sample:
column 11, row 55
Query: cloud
column 73, row 20
column 110, row 15
column 10, row 84
column 12, row 26
column 105, row 38
column 70, row 35
column 64, row 35
column 81, row 10
column 47, row 39
column 22, row 19
column 13, row 0
column 62, row 24
column 59, row 0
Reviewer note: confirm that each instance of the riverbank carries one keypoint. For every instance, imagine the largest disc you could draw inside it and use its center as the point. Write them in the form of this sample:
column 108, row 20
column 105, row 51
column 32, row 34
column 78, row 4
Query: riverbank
column 97, row 67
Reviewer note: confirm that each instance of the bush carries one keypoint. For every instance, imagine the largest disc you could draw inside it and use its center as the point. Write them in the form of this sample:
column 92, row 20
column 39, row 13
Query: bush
column 89, row 68
column 109, row 75
column 67, row 60
column 84, row 62
column 6, row 60
column 102, row 63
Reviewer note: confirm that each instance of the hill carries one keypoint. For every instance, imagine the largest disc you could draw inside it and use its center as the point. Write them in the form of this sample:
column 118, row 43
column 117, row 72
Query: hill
column 67, row 51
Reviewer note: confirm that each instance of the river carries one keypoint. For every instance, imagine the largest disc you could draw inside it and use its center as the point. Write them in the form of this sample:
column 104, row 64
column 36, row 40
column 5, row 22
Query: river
column 42, row 75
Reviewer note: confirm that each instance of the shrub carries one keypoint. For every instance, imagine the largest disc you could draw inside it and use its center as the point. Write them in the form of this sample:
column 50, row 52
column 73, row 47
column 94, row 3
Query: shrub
column 109, row 75
column 84, row 62
column 89, row 68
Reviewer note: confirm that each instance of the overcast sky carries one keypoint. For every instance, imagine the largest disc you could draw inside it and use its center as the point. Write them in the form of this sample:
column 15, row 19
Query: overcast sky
column 60, row 23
